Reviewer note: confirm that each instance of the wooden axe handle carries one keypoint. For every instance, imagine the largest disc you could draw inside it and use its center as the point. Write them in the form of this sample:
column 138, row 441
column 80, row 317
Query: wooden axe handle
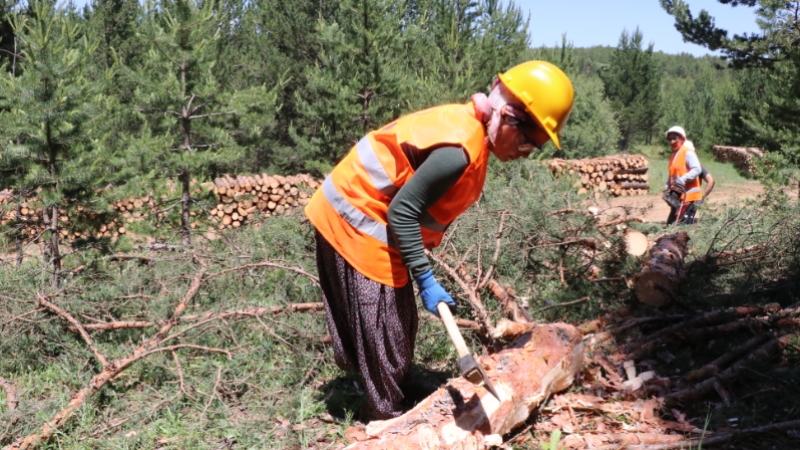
column 452, row 329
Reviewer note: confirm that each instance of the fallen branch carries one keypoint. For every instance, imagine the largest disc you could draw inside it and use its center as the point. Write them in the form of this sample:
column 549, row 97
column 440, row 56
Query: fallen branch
column 108, row 374
column 592, row 243
column 712, row 368
column 665, row 335
column 610, row 280
column 558, row 305
column 719, row 438
column 510, row 306
column 210, row 315
column 712, row 259
column 697, row 391
column 11, row 394
column 499, row 238
column 297, row 270
column 123, row 257
column 620, row 222
column 66, row 316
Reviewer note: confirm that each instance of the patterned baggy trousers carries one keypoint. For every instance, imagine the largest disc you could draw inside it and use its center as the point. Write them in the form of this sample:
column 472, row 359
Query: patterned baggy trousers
column 373, row 327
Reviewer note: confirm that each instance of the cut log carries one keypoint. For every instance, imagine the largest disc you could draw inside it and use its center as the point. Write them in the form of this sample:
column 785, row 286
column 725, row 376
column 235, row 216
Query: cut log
column 634, row 185
column 636, row 243
column 663, row 270
column 464, row 416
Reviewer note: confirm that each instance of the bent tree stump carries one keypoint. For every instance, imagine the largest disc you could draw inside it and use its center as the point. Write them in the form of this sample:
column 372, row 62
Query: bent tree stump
column 463, row 416
column 663, row 270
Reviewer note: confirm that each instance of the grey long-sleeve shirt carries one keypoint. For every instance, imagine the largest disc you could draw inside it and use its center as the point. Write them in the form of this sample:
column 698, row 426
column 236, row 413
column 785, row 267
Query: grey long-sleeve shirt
column 438, row 171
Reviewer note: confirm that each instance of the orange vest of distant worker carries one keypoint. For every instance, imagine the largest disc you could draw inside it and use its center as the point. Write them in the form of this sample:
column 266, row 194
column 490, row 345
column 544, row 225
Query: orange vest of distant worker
column 678, row 168
column 350, row 208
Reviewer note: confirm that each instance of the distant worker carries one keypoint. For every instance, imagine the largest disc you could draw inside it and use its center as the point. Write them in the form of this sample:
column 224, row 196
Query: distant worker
column 394, row 195
column 682, row 189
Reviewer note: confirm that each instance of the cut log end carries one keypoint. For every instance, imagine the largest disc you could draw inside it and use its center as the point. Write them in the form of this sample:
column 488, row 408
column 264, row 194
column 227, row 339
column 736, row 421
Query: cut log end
column 636, row 243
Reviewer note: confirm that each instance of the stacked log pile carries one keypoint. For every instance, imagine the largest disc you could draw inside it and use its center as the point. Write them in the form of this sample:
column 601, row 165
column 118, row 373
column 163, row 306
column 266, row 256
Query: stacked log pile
column 741, row 157
column 243, row 196
column 31, row 222
column 617, row 175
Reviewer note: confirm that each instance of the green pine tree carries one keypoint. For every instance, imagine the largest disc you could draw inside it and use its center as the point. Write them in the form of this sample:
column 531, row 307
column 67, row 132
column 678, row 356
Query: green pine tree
column 46, row 113
column 189, row 122
column 632, row 83
column 766, row 114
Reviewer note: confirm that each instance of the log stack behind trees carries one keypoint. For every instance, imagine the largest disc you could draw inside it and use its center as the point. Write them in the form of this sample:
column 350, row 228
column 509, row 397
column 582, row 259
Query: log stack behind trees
column 270, row 195
column 238, row 199
column 743, row 158
column 617, row 175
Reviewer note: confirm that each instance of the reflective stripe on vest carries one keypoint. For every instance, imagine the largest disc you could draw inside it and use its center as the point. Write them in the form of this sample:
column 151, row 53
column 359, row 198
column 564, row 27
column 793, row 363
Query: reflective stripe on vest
column 380, row 179
column 352, row 215
column 373, row 166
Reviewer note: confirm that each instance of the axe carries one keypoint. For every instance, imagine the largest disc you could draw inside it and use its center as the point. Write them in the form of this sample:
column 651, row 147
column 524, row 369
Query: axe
column 470, row 369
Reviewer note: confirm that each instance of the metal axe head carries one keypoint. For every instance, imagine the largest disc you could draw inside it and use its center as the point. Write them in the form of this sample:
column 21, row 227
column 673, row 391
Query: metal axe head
column 474, row 373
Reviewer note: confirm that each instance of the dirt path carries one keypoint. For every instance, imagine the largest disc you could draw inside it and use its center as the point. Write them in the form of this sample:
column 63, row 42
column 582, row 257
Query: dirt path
column 653, row 209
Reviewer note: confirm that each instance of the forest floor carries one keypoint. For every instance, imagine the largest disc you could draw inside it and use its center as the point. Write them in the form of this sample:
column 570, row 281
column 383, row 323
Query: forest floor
column 651, row 208
column 720, row 362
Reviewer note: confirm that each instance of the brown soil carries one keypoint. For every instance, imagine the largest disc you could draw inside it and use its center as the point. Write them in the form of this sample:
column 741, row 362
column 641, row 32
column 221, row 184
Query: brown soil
column 653, row 209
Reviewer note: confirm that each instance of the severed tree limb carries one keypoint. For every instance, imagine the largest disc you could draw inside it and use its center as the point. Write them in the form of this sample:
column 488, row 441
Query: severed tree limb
column 620, row 222
column 510, row 306
column 109, row 373
column 592, row 243
column 499, row 238
column 11, row 394
column 713, row 257
column 297, row 270
column 697, row 391
column 66, row 316
column 712, row 368
column 210, row 315
column 172, row 348
column 472, row 295
column 661, row 337
column 558, row 305
column 719, row 438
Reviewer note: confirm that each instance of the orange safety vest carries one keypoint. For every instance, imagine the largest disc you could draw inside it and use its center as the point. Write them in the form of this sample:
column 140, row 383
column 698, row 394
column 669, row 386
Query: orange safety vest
column 679, row 168
column 350, row 208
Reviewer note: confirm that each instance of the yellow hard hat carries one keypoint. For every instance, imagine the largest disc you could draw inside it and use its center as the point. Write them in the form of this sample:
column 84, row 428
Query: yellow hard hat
column 546, row 92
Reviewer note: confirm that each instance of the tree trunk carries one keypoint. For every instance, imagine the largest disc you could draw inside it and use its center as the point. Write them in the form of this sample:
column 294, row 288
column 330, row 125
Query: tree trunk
column 463, row 416
column 185, row 199
column 51, row 224
column 663, row 270
column 20, row 244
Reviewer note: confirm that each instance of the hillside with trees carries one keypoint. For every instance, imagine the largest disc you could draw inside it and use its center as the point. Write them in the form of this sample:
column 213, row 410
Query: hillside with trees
column 158, row 285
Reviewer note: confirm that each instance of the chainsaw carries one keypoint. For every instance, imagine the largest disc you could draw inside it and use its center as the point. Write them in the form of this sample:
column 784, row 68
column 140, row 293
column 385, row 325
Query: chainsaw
column 673, row 195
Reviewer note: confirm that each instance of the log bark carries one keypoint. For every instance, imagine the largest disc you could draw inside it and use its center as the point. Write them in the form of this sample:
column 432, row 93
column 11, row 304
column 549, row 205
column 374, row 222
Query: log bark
column 463, row 416
column 663, row 270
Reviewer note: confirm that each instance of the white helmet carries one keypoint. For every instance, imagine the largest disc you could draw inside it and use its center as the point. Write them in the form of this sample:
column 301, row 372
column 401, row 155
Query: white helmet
column 676, row 129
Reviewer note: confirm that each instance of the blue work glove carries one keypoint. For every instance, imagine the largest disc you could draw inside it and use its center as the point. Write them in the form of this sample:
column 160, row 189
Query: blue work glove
column 432, row 293
column 698, row 203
